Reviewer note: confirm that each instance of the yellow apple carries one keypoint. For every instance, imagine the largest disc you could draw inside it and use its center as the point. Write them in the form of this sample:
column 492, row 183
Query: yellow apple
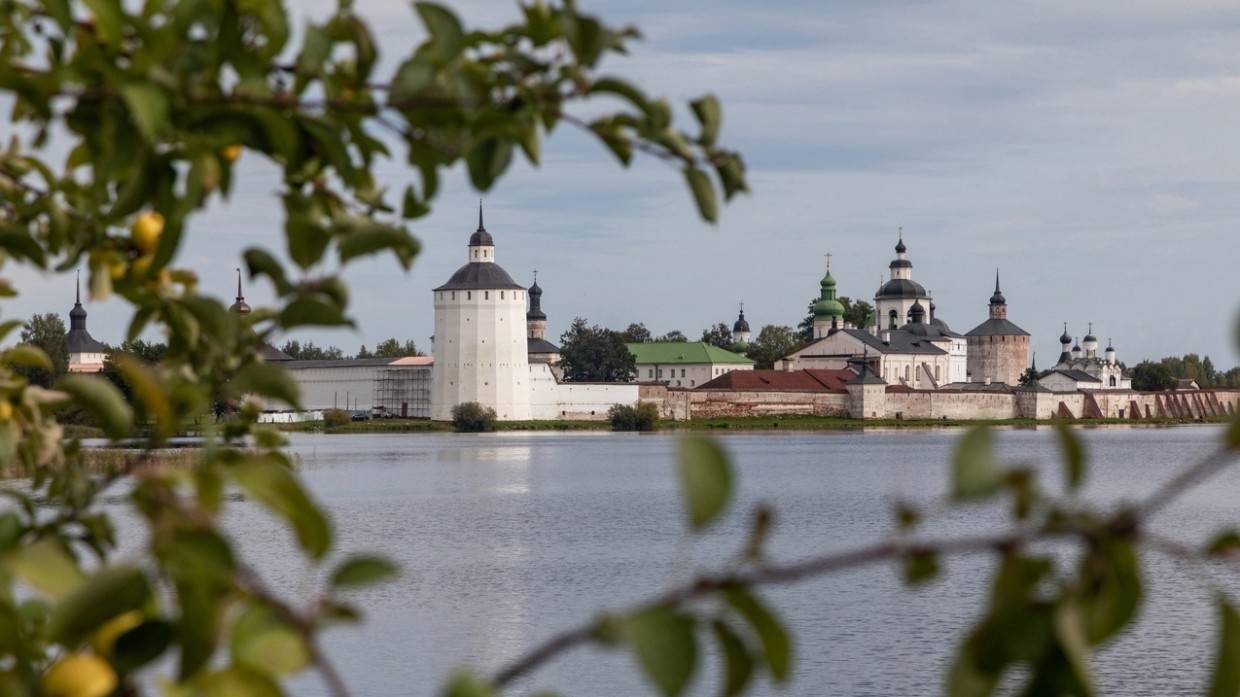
column 232, row 152
column 79, row 675
column 146, row 231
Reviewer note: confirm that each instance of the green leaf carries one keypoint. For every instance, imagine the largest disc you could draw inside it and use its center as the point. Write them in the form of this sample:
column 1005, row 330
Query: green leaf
column 59, row 11
column 262, row 263
column 149, row 106
column 975, row 472
column 920, row 567
column 267, row 380
column 737, row 663
column 46, row 567
column 16, row 241
column 304, row 312
column 710, row 116
column 1073, row 456
column 376, row 238
column 237, row 681
column 108, row 19
column 776, row 643
column 1224, row 544
column 141, row 645
column 101, row 398
column 1071, row 633
column 363, row 570
column 466, row 684
column 487, row 161
column 262, row 642
column 28, row 355
column 620, row 88
column 104, row 595
column 1111, row 578
column 665, row 647
column 316, row 48
column 448, row 38
column 1232, row 437
column 1226, row 679
column 705, row 479
column 270, row 481
column 703, row 194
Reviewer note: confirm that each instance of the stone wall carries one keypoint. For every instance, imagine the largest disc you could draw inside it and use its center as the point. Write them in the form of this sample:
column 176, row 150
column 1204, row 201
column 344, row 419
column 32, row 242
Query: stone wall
column 932, row 404
column 714, row 404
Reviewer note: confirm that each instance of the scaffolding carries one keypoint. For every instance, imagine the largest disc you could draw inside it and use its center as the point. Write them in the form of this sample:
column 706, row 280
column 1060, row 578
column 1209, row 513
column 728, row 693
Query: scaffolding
column 404, row 391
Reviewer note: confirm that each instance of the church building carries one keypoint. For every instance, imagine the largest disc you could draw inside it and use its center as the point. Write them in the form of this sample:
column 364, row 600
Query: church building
column 86, row 355
column 1081, row 368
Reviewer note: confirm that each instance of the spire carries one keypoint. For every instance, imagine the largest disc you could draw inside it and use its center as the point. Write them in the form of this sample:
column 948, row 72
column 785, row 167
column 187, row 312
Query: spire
column 77, row 316
column 900, row 248
column 1033, row 365
column 481, row 227
column 240, row 306
column 997, row 298
column 480, row 238
column 77, row 289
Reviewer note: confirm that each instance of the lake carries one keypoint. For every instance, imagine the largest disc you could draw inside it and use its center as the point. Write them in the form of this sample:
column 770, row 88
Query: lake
column 506, row 538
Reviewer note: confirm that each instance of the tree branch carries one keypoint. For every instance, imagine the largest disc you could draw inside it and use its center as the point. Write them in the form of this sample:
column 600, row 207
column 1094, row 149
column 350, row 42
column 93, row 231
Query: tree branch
column 1209, row 466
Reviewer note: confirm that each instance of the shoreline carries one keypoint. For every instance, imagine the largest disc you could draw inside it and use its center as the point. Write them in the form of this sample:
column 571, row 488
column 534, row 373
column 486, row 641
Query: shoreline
column 808, row 424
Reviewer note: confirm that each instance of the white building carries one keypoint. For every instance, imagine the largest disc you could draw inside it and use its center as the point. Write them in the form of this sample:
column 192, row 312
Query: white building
column 893, row 303
column 897, row 356
column 86, row 355
column 1081, row 368
column 402, row 386
column 481, row 343
column 684, row 363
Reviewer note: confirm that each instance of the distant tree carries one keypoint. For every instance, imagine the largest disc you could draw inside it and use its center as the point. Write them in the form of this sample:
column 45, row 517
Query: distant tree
column 310, row 352
column 391, row 348
column 363, row 352
column 472, row 417
column 719, row 335
column 1148, row 375
column 595, row 354
column 1028, row 377
column 805, row 330
column 625, row 417
column 46, row 332
column 856, row 312
column 773, row 343
column 636, row 333
column 147, row 352
column 675, row 336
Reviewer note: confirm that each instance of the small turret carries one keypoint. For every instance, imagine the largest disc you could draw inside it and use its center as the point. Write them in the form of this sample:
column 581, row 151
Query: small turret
column 535, row 318
column 1076, row 350
column 481, row 244
column 1110, row 353
column 998, row 304
column 240, row 306
column 828, row 311
column 1090, row 343
column 740, row 329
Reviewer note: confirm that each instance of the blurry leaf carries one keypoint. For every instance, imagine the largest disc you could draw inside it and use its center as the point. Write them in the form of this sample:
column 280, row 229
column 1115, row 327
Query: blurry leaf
column 316, row 48
column 1232, row 437
column 975, row 472
column 236, row 681
column 267, row 380
column 269, row 481
column 530, row 143
column 737, row 663
column 920, row 567
column 101, row 398
column 1111, row 578
column 1071, row 633
column 363, row 570
column 141, row 645
column 411, row 206
column 376, row 238
column 705, row 479
column 487, row 161
column 311, row 312
column 663, row 642
column 46, row 567
column 28, row 355
column 7, row 327
column 262, row 642
column 197, row 553
column 466, row 684
column 104, row 595
column 776, row 643
column 907, row 515
column 1073, row 456
column 710, row 116
column 148, row 389
column 703, row 194
column 59, row 11
column 620, row 88
column 1225, row 681
column 1225, row 543
column 149, row 106
column 108, row 19
column 444, row 28
column 262, row 263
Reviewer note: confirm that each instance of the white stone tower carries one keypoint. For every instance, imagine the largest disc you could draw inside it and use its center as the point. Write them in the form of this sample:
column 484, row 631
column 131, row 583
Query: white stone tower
column 894, row 300
column 480, row 337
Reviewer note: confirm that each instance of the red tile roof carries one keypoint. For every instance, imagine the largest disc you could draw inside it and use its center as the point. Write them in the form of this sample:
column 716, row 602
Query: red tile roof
column 808, row 380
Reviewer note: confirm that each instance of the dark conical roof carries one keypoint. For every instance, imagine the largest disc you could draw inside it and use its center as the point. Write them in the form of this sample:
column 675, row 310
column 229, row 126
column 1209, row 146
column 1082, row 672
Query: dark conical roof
column 917, row 313
column 1064, row 338
column 741, row 324
column 1090, row 336
column 77, row 339
column 481, row 237
column 535, row 312
column 900, row 248
column 997, row 298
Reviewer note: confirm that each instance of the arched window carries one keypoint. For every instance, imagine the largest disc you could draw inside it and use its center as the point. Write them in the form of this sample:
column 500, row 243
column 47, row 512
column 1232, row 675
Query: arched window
column 1112, row 381
column 895, row 316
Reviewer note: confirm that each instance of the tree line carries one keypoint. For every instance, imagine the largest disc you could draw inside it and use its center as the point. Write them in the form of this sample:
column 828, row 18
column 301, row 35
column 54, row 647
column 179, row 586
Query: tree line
column 1163, row 374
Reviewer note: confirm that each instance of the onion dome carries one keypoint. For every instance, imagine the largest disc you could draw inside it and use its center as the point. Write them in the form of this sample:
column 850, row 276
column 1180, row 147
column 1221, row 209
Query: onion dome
column 240, row 306
column 1090, row 338
column 900, row 248
column 997, row 298
column 1110, row 348
column 1064, row 338
column 77, row 316
column 917, row 313
column 535, row 292
column 827, row 305
column 741, row 324
column 481, row 238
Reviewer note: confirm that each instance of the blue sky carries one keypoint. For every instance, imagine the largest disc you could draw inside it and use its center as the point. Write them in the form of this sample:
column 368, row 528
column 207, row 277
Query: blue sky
column 1087, row 152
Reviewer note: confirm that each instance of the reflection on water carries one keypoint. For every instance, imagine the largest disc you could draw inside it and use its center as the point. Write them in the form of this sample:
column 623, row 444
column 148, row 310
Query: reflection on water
column 507, row 538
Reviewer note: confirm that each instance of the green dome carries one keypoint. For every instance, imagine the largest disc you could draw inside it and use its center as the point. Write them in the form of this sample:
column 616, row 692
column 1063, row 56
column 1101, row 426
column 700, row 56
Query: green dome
column 828, row 306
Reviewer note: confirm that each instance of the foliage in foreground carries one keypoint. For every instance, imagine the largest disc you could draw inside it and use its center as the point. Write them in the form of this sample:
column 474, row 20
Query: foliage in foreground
column 472, row 417
column 155, row 104
column 626, row 417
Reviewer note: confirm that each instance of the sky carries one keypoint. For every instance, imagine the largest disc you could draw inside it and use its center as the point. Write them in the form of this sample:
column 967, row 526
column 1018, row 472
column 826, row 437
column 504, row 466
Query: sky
column 1087, row 151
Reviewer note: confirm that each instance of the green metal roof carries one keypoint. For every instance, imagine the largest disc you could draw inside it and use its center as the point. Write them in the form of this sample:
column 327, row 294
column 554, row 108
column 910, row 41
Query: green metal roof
column 683, row 352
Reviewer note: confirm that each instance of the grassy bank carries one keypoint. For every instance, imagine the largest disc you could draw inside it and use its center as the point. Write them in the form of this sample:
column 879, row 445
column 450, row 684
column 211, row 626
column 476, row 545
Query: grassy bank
column 739, row 423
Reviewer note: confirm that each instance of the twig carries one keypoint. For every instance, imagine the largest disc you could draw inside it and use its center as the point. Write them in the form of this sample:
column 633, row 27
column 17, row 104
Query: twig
column 1204, row 469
